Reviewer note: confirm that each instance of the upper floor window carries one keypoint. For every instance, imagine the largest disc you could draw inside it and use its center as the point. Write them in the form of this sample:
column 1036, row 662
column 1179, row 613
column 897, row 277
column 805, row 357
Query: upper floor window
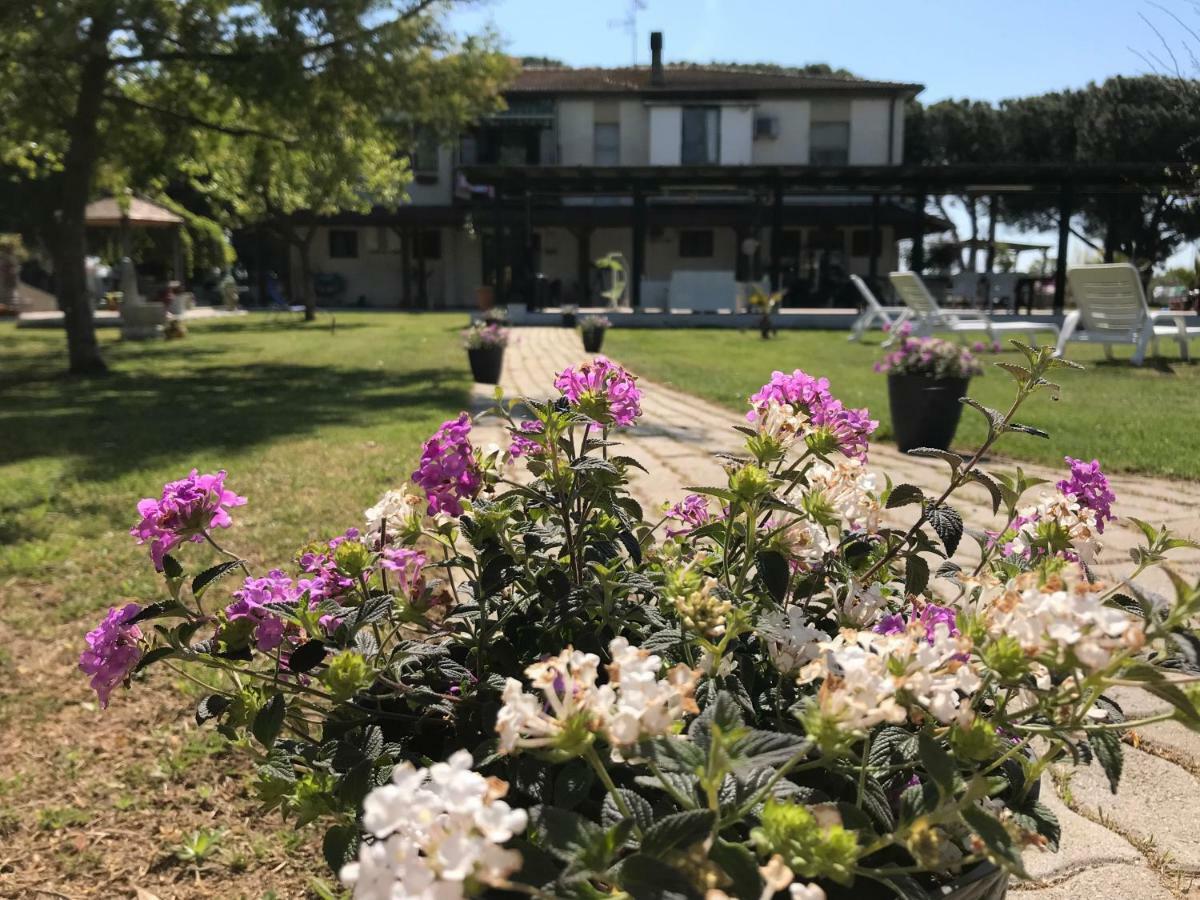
column 829, row 143
column 343, row 243
column 606, row 140
column 424, row 157
column 701, row 136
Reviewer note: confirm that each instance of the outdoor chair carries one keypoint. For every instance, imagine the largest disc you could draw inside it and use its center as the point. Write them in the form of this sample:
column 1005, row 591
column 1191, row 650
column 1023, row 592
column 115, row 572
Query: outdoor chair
column 1112, row 310
column 927, row 317
column 874, row 311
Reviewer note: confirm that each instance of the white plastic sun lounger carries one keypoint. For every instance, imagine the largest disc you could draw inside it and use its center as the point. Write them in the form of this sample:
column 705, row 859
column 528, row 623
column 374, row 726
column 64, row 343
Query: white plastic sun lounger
column 1112, row 310
column 874, row 312
column 928, row 317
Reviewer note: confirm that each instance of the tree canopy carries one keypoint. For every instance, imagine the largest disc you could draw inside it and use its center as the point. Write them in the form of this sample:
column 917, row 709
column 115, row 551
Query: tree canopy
column 261, row 107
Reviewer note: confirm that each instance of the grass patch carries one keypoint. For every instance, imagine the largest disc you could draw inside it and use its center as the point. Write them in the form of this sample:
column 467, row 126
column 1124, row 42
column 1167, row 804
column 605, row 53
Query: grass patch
column 312, row 425
column 1133, row 420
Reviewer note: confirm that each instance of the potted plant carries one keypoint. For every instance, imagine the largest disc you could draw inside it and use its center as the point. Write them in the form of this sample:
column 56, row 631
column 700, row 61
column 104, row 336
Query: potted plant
column 497, row 315
column 764, row 303
column 485, row 345
column 569, row 311
column 504, row 683
column 926, row 379
column 591, row 329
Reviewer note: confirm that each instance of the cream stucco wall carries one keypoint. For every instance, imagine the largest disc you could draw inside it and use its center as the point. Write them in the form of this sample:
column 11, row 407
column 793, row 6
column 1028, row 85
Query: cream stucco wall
column 666, row 128
column 791, row 146
column 737, row 135
column 869, row 131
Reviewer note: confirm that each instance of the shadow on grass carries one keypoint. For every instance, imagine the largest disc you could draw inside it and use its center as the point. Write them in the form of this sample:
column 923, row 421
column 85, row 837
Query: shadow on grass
column 130, row 421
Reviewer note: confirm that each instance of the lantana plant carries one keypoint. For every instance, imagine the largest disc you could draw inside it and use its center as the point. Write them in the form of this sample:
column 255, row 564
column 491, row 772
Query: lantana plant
column 508, row 679
column 931, row 357
column 594, row 323
column 485, row 336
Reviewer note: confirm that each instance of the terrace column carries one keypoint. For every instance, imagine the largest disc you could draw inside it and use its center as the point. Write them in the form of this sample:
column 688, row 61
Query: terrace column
column 777, row 238
column 498, row 248
column 422, row 281
column 406, row 299
column 1065, row 203
column 639, row 248
column 916, row 261
column 876, row 244
column 583, row 265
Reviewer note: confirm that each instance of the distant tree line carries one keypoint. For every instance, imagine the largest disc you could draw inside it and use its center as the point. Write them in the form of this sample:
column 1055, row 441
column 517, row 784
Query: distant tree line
column 1147, row 119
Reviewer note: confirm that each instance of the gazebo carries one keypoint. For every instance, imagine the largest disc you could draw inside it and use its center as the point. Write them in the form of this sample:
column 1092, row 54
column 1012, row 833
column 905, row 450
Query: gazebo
column 134, row 212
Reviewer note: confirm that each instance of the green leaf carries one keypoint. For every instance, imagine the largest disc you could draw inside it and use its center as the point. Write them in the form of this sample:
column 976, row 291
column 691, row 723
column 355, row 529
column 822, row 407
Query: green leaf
column 994, row 489
column 904, row 494
column 646, row 878
column 740, row 865
column 1109, row 752
column 1027, row 429
column 720, row 493
column 948, row 524
column 775, row 574
column 171, row 567
column 916, row 574
column 1020, row 374
column 996, row 838
column 572, row 784
column 152, row 657
column 937, row 763
column 307, row 656
column 949, row 457
column 1039, row 818
column 340, row 846
column 157, row 610
column 211, row 707
column 994, row 416
column 570, row 836
column 677, row 830
column 639, row 808
column 269, row 720
column 205, row 579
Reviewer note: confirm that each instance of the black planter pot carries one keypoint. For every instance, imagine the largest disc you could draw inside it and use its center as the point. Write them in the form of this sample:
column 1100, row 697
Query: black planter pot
column 486, row 363
column 568, row 320
column 593, row 339
column 925, row 411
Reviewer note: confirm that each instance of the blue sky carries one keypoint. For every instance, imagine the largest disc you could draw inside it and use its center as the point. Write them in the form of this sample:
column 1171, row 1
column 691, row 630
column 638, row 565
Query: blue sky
column 982, row 49
column 956, row 48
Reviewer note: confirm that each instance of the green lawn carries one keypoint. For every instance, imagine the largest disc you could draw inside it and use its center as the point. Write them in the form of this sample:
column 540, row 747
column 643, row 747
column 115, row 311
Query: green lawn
column 311, row 424
column 1138, row 420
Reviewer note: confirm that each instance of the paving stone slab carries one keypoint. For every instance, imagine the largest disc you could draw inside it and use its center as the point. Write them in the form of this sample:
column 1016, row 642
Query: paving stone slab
column 1084, row 844
column 1157, row 802
column 1110, row 882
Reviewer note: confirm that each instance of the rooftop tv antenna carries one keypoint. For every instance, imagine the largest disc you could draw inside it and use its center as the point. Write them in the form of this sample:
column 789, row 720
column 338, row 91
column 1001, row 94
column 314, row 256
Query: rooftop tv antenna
column 628, row 24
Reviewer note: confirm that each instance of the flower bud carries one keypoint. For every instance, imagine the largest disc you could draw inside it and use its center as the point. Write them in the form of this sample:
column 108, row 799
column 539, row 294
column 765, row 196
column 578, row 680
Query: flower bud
column 749, row 483
column 348, row 673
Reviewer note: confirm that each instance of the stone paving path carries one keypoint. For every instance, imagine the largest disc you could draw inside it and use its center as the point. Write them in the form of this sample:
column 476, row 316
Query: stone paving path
column 1143, row 843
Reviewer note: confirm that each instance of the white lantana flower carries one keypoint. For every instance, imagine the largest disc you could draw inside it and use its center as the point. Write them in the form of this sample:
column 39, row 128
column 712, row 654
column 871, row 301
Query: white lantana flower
column 864, row 675
column 1054, row 621
column 1064, row 512
column 435, row 830
column 782, row 422
column 850, row 490
column 634, row 704
column 806, row 542
column 791, row 641
column 394, row 509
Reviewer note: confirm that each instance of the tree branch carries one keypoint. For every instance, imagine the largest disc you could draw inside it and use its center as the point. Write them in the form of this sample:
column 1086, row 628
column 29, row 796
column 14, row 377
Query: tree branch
column 246, row 56
column 231, row 130
column 1087, row 240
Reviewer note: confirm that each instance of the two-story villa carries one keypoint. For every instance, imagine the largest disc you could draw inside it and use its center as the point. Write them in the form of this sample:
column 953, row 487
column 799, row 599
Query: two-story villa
column 679, row 169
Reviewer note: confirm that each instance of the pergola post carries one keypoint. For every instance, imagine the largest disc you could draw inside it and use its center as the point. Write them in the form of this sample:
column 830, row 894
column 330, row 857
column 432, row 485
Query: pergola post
column 406, row 299
column 777, row 238
column 639, row 248
column 917, row 259
column 1065, row 204
column 583, row 264
column 422, row 286
column 993, row 212
column 876, row 243
column 498, row 248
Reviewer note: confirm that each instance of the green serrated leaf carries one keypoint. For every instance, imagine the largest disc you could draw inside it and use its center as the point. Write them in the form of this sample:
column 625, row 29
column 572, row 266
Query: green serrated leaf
column 937, row 763
column 996, row 838
column 903, row 495
column 916, row 575
column 1108, row 749
column 269, row 720
column 678, row 830
column 210, row 576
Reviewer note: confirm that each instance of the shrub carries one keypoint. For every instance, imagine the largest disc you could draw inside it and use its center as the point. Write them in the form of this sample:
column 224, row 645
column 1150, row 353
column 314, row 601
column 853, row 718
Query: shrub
column 500, row 685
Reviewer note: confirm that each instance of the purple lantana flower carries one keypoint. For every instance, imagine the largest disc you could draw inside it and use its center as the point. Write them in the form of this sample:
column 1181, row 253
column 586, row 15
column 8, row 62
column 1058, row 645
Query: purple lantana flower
column 931, row 616
column 603, row 391
column 113, row 650
column 523, row 445
column 185, row 511
column 692, row 511
column 251, row 603
column 448, row 471
column 1090, row 488
column 406, row 564
column 810, row 399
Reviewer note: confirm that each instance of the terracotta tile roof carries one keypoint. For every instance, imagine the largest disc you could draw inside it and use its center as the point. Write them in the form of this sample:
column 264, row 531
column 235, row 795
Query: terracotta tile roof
column 536, row 79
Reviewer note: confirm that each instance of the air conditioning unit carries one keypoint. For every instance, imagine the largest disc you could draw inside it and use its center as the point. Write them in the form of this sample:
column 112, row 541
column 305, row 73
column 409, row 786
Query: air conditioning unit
column 766, row 128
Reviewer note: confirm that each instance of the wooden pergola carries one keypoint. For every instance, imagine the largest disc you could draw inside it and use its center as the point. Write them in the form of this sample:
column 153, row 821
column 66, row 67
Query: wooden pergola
column 743, row 191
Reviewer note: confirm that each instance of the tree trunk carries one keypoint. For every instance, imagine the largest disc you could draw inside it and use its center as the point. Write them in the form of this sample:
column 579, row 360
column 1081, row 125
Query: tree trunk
column 68, row 246
column 304, row 245
column 973, row 211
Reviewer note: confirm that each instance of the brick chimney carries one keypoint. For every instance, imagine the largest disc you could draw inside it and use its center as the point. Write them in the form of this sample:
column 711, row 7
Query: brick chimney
column 657, row 76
